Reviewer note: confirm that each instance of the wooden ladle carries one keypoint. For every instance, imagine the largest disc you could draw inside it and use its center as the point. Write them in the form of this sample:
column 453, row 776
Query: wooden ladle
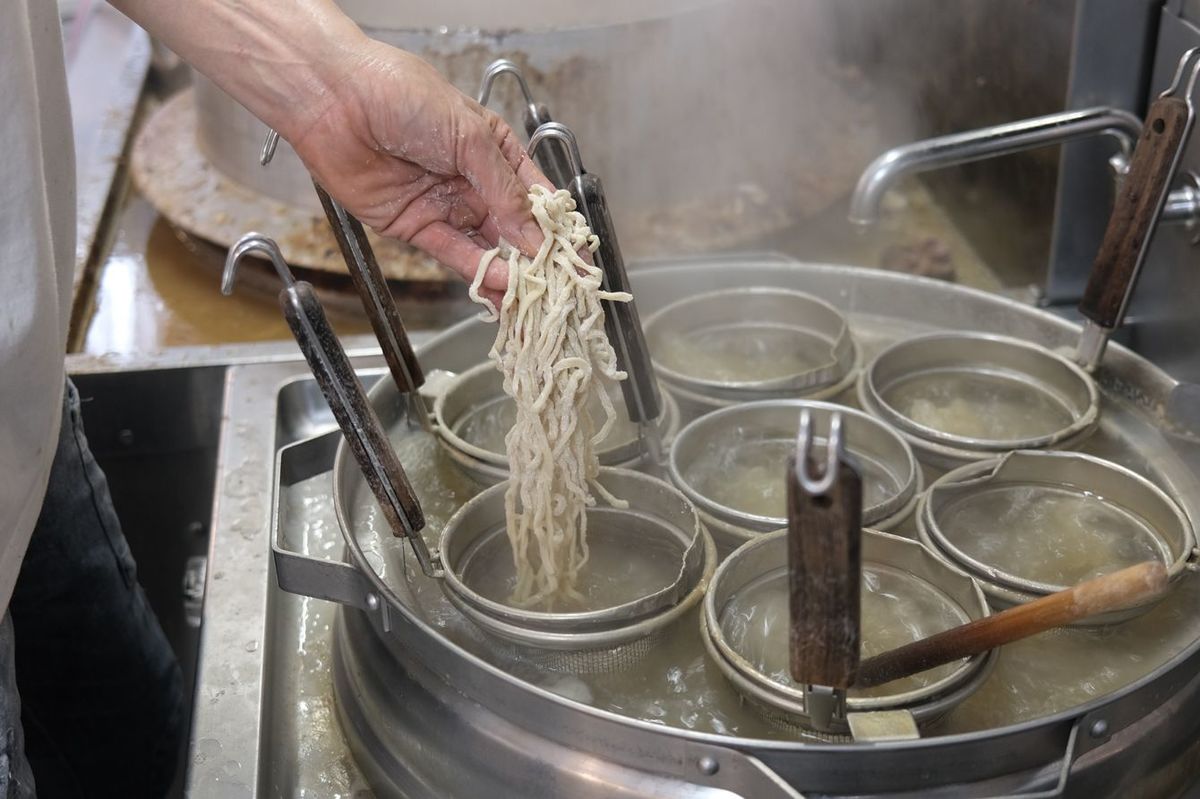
column 1121, row 589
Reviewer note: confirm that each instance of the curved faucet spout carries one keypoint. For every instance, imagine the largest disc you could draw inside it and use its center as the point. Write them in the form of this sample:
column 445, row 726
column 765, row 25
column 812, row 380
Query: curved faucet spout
column 989, row 142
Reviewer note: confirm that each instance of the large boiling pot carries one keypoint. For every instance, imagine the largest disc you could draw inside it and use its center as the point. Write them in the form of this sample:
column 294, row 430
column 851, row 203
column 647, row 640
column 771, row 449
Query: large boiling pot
column 655, row 92
column 426, row 717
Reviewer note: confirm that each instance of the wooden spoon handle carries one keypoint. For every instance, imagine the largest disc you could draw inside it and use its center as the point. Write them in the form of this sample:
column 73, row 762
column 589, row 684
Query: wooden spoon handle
column 1120, row 589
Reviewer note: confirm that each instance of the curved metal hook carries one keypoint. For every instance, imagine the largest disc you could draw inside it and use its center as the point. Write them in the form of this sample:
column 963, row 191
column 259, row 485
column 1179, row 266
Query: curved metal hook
column 1189, row 65
column 494, row 70
column 254, row 242
column 818, row 483
column 562, row 134
column 269, row 146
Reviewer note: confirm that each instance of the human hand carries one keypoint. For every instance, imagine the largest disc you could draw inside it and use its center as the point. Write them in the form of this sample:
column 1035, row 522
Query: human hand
column 417, row 160
column 380, row 129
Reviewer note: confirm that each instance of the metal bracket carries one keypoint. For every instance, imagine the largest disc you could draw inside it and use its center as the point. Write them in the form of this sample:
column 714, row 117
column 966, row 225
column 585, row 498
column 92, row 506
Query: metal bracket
column 822, row 704
column 738, row 772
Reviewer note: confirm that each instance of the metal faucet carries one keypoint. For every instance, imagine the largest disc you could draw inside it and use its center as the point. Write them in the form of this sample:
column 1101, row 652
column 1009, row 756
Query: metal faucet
column 989, row 142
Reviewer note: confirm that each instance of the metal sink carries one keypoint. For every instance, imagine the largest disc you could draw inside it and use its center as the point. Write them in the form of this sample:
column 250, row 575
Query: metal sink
column 188, row 441
column 155, row 434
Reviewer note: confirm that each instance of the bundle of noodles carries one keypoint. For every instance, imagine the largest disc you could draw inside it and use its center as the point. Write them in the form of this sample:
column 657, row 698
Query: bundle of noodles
column 552, row 350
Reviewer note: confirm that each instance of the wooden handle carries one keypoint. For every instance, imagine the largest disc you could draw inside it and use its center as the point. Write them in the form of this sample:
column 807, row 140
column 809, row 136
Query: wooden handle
column 374, row 293
column 354, row 413
column 824, row 567
column 1112, row 591
column 621, row 320
column 1135, row 213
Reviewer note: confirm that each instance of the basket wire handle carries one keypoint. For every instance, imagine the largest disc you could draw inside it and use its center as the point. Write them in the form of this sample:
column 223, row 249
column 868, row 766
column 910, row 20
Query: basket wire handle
column 345, row 394
column 621, row 320
column 535, row 115
column 824, row 571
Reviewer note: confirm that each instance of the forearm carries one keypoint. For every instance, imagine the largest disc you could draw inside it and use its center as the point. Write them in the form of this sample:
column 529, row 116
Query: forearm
column 282, row 59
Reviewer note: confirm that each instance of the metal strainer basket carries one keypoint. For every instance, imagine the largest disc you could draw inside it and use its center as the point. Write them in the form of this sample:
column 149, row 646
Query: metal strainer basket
column 473, row 413
column 750, row 344
column 959, row 397
column 1031, row 523
column 730, row 463
column 745, row 629
column 652, row 560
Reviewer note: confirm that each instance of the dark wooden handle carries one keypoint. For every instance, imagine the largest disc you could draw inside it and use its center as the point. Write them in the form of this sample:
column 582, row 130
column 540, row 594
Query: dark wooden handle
column 1112, row 591
column 375, row 294
column 621, row 320
column 348, row 400
column 824, row 568
column 1135, row 213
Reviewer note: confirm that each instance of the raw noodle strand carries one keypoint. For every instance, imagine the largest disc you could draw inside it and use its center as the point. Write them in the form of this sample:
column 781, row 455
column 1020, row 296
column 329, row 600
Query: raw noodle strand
column 553, row 352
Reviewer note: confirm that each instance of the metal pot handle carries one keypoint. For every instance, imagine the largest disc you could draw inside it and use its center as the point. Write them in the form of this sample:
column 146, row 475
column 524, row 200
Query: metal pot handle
column 297, row 572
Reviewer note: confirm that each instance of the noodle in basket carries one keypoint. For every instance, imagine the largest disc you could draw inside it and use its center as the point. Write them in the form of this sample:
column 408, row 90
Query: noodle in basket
column 553, row 352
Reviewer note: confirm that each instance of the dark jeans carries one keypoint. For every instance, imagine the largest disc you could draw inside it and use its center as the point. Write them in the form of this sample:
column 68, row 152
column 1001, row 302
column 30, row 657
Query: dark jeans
column 101, row 696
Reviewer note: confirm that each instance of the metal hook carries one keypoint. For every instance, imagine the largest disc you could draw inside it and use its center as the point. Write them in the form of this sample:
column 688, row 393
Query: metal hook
column 254, row 242
column 820, row 483
column 269, row 146
column 494, row 70
column 562, row 134
column 1189, row 64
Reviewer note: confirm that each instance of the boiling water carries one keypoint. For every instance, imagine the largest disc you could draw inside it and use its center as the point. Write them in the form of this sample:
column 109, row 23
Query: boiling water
column 486, row 424
column 743, row 352
column 611, row 576
column 896, row 609
column 1050, row 534
column 748, row 476
column 676, row 686
column 972, row 404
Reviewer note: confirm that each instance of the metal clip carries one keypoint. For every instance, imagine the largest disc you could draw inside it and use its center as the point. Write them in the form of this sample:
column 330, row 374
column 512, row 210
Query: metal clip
column 556, row 131
column 817, row 484
column 1188, row 65
column 503, row 66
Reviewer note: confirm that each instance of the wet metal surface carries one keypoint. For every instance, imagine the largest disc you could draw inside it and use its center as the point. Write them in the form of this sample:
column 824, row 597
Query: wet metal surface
column 160, row 288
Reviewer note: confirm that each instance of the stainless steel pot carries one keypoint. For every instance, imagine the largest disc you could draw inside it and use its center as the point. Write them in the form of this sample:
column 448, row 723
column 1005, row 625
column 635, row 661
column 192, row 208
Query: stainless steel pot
column 426, row 716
